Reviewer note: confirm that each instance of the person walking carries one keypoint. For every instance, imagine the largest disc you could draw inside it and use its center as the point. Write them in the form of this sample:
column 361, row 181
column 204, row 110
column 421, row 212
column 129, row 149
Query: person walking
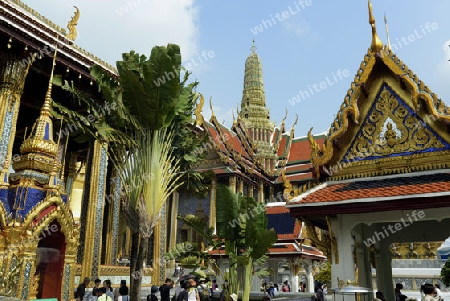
column 123, row 294
column 153, row 291
column 102, row 296
column 123, row 283
column 81, row 290
column 164, row 289
column 109, row 290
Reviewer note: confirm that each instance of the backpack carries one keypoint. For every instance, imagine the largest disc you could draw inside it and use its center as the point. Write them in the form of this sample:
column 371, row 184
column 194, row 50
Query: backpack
column 205, row 291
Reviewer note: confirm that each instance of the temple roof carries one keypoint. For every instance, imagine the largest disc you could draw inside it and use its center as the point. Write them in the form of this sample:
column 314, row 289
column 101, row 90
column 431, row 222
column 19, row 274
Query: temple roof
column 375, row 194
column 388, row 112
column 34, row 30
column 388, row 147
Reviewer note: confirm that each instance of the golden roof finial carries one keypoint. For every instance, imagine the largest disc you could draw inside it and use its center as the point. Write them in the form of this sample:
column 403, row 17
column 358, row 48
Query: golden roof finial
column 376, row 44
column 211, row 107
column 387, row 32
column 198, row 111
column 285, row 116
column 72, row 35
column 234, row 118
column 296, row 120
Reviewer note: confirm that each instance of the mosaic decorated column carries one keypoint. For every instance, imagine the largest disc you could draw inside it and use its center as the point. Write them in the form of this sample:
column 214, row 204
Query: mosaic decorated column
column 172, row 231
column 261, row 192
column 159, row 248
column 13, row 72
column 250, row 191
column 113, row 235
column 94, row 217
column 212, row 202
column 70, row 262
column 18, row 260
column 232, row 183
column 28, row 282
column 241, row 186
column 72, row 172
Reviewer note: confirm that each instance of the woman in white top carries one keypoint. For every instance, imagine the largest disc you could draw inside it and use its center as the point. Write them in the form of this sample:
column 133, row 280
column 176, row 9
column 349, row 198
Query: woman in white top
column 192, row 291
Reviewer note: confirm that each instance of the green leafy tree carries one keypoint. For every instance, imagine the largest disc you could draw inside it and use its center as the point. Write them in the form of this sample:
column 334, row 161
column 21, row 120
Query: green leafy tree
column 241, row 235
column 153, row 106
column 445, row 273
column 324, row 273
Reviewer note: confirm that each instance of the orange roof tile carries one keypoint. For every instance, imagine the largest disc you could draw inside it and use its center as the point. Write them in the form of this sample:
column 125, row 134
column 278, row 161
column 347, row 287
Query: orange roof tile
column 282, row 146
column 300, row 149
column 379, row 187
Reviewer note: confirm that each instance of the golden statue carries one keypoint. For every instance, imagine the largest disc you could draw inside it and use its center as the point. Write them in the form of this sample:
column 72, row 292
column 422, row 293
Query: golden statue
column 288, row 189
column 390, row 135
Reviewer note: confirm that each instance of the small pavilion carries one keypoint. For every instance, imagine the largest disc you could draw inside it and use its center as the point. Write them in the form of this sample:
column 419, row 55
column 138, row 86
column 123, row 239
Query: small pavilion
column 382, row 174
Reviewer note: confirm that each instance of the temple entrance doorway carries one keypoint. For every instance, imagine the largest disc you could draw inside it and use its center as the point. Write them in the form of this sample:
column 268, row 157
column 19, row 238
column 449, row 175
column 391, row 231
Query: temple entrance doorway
column 50, row 261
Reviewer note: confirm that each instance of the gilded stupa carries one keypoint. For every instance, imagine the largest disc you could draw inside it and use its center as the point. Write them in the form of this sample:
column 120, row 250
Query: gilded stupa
column 255, row 113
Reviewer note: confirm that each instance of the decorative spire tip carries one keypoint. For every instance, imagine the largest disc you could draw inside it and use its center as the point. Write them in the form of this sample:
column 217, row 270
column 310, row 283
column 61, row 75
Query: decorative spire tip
column 253, row 46
column 376, row 44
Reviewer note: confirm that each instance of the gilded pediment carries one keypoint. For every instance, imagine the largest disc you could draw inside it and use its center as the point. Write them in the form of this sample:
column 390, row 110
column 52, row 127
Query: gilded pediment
column 392, row 128
column 392, row 138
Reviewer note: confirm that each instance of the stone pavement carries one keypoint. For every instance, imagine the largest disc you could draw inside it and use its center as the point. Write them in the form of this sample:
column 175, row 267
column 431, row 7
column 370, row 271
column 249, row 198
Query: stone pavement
column 253, row 296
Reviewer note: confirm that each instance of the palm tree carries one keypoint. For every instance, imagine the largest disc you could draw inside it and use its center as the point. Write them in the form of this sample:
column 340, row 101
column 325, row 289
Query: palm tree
column 149, row 175
column 241, row 235
column 151, row 102
column 153, row 93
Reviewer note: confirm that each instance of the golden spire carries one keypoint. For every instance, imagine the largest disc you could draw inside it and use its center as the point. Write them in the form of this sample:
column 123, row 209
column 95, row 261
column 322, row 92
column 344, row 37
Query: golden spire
column 387, row 32
column 376, row 44
column 39, row 147
column 45, row 110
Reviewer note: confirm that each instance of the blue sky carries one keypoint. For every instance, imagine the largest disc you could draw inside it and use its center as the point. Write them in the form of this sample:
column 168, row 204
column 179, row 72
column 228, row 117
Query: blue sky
column 311, row 43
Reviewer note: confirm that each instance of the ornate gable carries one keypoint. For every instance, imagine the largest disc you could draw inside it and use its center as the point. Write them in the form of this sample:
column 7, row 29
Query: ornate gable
column 390, row 122
column 392, row 128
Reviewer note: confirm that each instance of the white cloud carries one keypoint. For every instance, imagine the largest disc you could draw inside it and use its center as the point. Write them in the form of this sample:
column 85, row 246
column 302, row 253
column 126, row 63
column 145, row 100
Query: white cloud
column 443, row 69
column 225, row 117
column 446, row 48
column 443, row 73
column 299, row 27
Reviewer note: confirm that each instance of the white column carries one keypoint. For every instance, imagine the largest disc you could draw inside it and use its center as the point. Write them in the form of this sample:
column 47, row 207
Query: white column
column 363, row 258
column 384, row 270
column 294, row 283
column 345, row 268
column 309, row 277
